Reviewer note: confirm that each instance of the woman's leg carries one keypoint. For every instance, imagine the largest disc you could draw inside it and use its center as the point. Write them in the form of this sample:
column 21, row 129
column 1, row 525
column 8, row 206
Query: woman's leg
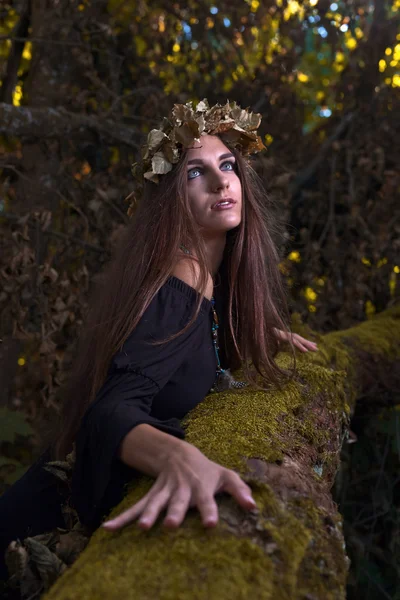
column 30, row 507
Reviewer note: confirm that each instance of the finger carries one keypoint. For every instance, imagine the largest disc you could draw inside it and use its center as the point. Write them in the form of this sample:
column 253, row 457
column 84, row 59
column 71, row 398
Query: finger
column 178, row 507
column 300, row 346
column 153, row 508
column 308, row 343
column 127, row 516
column 134, row 511
column 281, row 335
column 208, row 510
column 234, row 485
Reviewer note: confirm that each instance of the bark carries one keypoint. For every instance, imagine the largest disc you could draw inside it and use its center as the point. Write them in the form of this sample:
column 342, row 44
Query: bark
column 42, row 123
column 287, row 446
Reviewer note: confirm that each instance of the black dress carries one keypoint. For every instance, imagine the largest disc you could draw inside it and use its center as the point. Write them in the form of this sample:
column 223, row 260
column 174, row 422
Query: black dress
column 157, row 385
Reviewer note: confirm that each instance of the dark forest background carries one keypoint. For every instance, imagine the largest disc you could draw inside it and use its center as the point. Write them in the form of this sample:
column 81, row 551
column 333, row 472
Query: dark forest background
column 82, row 83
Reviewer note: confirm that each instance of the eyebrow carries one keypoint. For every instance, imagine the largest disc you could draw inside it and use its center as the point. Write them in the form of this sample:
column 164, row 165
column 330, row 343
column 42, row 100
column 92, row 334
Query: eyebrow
column 201, row 162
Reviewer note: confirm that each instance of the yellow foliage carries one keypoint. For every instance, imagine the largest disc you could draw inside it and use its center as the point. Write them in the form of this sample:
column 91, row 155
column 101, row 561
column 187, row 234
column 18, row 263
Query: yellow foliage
column 27, row 53
column 17, row 95
column 396, row 80
column 295, row 256
column 392, row 284
column 369, row 308
column 351, row 43
column 359, row 33
column 310, row 294
column 366, row 261
column 227, row 84
column 141, row 45
column 21, row 361
column 302, row 77
column 382, row 65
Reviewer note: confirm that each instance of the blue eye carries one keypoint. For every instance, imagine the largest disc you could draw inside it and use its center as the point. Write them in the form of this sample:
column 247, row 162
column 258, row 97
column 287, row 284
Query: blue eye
column 227, row 162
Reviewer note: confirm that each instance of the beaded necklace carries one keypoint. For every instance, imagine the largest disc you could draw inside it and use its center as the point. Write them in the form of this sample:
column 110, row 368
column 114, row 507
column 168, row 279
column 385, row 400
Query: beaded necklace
column 224, row 380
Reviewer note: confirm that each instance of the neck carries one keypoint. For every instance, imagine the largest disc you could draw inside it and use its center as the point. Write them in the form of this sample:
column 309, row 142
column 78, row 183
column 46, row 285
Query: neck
column 215, row 251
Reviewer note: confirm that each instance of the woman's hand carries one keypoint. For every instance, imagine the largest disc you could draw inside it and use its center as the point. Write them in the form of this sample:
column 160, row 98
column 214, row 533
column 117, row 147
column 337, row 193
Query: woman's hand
column 187, row 479
column 301, row 343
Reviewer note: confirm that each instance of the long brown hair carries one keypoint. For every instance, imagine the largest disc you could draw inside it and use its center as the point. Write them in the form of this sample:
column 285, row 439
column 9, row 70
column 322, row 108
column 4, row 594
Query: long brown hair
column 143, row 261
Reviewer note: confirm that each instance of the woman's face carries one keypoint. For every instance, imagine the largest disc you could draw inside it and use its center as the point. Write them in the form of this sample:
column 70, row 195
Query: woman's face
column 211, row 178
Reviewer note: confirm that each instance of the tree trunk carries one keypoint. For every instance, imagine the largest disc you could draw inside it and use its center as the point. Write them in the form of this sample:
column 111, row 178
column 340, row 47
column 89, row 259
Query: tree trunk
column 286, row 445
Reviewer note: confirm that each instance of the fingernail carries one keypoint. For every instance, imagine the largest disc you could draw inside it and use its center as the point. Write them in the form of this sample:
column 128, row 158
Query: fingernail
column 143, row 522
column 108, row 523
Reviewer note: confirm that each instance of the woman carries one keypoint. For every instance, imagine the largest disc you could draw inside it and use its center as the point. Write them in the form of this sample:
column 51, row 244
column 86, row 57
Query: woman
column 152, row 349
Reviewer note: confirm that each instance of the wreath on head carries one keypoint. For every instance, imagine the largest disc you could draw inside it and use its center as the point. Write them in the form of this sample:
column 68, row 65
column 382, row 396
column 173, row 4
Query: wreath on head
column 185, row 125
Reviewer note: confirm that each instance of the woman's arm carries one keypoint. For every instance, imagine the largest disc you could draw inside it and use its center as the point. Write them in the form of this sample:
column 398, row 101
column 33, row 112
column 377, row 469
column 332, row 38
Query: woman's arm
column 146, row 448
column 300, row 342
column 185, row 477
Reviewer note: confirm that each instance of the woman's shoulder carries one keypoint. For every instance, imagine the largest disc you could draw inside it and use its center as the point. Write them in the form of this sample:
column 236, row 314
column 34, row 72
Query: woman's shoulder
column 188, row 270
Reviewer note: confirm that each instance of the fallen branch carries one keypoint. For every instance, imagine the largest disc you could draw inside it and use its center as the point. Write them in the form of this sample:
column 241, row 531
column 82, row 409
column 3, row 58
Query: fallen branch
column 287, row 447
column 27, row 122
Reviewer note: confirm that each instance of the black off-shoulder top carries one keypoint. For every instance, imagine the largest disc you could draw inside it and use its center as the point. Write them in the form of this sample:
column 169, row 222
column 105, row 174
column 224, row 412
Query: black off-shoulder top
column 157, row 385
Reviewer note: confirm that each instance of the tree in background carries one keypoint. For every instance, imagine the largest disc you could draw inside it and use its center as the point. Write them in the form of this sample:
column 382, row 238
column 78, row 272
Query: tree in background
column 83, row 82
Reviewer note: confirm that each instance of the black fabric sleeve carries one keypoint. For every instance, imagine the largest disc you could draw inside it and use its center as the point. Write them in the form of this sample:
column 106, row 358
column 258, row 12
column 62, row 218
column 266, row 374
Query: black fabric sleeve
column 137, row 373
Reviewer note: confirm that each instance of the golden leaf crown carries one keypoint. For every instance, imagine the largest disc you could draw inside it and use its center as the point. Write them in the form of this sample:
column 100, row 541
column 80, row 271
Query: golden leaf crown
column 185, row 125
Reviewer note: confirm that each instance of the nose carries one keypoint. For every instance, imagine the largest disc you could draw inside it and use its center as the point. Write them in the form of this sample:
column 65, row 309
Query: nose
column 219, row 181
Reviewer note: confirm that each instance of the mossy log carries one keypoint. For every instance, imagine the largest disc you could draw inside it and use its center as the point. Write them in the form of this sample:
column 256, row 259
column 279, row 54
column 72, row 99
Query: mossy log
column 287, row 446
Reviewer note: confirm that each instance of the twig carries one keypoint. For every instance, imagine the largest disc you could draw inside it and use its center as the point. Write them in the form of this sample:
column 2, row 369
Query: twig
column 306, row 174
column 119, row 212
column 24, row 121
column 58, row 234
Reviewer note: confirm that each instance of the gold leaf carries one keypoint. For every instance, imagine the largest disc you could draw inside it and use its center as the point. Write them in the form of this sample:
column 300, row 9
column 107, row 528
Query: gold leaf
column 203, row 105
column 201, row 123
column 181, row 113
column 151, row 176
column 160, row 164
column 186, row 134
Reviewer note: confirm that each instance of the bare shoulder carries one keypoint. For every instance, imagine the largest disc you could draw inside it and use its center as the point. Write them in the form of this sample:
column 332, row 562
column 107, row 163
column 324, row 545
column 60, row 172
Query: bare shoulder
column 188, row 270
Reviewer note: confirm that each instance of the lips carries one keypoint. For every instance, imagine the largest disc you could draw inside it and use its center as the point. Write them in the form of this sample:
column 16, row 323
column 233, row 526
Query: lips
column 231, row 200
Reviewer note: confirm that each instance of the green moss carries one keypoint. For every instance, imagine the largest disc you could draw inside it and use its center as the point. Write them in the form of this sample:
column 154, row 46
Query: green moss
column 291, row 548
column 191, row 563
